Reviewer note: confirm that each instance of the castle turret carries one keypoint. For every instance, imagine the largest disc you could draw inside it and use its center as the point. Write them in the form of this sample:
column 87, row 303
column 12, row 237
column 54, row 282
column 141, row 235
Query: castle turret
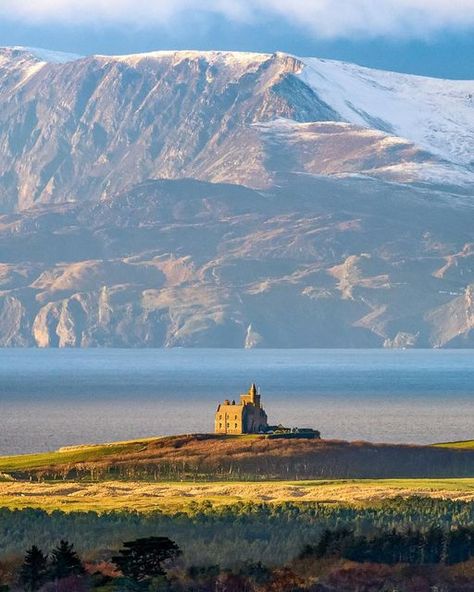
column 252, row 397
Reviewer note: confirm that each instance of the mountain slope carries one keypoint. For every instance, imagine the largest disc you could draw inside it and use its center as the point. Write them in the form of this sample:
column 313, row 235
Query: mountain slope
column 232, row 199
column 436, row 115
column 315, row 262
column 78, row 129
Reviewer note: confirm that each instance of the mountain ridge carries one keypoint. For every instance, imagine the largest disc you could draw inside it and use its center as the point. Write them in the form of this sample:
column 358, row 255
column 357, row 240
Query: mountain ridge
column 48, row 54
column 116, row 122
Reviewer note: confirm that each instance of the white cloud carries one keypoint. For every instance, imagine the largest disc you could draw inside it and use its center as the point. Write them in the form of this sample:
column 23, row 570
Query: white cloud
column 325, row 18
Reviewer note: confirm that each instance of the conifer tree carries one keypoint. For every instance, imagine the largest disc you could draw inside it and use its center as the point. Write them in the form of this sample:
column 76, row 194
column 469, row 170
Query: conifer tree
column 143, row 559
column 34, row 570
column 65, row 562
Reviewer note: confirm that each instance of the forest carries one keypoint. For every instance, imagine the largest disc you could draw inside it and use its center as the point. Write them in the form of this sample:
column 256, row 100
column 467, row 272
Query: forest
column 400, row 561
column 257, row 547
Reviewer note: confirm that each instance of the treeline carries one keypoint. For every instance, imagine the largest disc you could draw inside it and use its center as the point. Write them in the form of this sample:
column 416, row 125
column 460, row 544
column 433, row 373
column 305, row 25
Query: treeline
column 414, row 547
column 135, row 567
column 410, row 561
column 239, row 532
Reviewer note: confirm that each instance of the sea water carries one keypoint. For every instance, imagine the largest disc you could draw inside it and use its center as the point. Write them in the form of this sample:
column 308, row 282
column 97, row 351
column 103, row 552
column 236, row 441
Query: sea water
column 53, row 398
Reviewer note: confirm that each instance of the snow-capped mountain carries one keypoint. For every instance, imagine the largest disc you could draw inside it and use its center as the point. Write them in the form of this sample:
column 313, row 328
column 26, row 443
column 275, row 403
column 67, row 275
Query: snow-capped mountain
column 232, row 199
column 46, row 55
column 75, row 128
column 436, row 115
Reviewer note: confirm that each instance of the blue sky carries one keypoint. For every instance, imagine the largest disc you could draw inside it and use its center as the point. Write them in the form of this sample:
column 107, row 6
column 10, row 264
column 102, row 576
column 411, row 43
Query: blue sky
column 430, row 37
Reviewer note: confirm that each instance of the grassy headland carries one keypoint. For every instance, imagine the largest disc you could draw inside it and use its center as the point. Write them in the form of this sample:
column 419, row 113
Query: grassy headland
column 210, row 458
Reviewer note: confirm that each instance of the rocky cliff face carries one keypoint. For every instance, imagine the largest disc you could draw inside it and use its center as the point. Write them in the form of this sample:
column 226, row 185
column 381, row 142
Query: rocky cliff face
column 239, row 200
column 313, row 263
column 91, row 127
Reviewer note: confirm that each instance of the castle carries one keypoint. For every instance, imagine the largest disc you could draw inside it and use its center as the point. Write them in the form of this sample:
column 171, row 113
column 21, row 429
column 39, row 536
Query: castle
column 246, row 417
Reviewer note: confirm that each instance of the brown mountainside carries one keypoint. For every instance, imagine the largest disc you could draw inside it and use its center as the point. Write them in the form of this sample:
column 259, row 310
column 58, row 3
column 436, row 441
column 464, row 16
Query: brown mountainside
column 88, row 128
column 314, row 262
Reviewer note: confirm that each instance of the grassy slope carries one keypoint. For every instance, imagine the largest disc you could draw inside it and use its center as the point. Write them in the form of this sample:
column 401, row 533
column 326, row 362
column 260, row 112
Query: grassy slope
column 210, row 458
column 87, row 453
column 147, row 496
column 73, row 454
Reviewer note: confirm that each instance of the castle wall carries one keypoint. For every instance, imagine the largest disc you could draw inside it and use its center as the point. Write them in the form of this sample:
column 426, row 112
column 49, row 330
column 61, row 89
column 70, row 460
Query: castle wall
column 229, row 420
column 255, row 420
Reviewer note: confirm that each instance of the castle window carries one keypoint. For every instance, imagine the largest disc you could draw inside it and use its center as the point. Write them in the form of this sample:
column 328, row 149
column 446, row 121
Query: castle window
column 228, row 425
column 236, row 417
column 220, row 426
column 236, row 425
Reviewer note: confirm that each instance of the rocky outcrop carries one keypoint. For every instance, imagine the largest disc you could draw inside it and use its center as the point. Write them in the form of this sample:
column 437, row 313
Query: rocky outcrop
column 14, row 322
column 453, row 322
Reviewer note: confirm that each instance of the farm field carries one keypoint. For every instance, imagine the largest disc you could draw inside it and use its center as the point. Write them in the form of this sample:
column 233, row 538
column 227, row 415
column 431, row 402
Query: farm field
column 146, row 497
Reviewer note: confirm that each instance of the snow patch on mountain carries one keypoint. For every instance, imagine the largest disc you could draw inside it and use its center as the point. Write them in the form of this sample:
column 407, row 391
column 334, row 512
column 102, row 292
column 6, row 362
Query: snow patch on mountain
column 374, row 152
column 48, row 56
column 435, row 114
column 439, row 173
column 227, row 59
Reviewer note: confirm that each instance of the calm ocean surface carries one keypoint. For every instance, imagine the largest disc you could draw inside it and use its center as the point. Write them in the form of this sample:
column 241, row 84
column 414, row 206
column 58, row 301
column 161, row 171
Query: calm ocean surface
column 52, row 398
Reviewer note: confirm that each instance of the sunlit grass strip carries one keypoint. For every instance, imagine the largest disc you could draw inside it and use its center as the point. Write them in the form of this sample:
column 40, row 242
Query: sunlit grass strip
column 171, row 497
column 466, row 444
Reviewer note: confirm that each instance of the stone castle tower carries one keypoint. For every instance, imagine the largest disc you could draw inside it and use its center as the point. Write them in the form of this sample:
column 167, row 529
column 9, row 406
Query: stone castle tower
column 246, row 417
